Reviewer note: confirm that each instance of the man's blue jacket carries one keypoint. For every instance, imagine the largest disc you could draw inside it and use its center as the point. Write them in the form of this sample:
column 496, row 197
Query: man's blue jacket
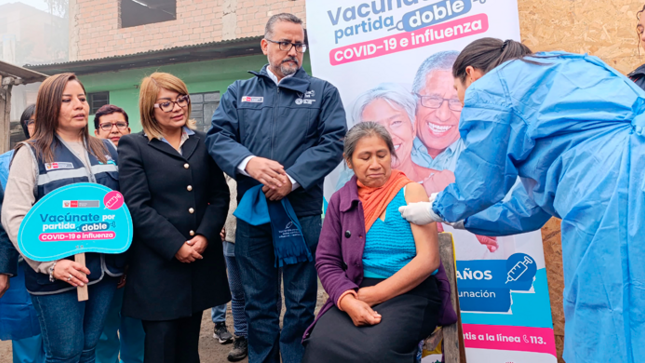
column 299, row 123
column 8, row 254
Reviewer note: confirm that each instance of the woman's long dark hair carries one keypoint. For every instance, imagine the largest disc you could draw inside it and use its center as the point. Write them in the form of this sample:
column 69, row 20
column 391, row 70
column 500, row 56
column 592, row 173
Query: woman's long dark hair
column 487, row 53
column 48, row 105
column 638, row 31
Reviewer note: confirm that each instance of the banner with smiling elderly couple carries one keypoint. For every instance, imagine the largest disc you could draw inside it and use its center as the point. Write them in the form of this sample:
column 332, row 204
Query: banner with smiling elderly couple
column 392, row 61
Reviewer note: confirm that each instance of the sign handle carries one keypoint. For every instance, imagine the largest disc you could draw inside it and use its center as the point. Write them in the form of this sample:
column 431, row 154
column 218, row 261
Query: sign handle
column 82, row 290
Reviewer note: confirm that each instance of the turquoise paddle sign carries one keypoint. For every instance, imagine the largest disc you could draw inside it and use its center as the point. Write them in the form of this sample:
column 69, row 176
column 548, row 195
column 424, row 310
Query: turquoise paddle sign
column 77, row 218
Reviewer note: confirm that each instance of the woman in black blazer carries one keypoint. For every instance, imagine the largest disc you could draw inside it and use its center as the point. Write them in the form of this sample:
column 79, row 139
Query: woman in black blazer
column 179, row 200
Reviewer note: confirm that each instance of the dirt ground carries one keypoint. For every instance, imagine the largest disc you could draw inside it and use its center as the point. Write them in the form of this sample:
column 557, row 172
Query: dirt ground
column 210, row 350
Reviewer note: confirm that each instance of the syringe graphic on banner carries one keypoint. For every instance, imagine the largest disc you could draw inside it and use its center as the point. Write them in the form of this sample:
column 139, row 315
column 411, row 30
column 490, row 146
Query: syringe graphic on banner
column 519, row 269
column 113, row 200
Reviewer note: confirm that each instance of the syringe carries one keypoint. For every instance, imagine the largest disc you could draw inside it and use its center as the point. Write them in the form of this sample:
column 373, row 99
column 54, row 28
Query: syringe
column 519, row 269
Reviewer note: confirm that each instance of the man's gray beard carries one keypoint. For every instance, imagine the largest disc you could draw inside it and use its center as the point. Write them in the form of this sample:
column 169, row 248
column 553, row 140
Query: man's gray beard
column 287, row 71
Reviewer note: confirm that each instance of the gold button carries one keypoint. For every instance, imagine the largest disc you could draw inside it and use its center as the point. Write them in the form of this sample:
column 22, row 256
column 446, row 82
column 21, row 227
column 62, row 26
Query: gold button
column 191, row 210
column 186, row 166
column 192, row 233
column 189, row 188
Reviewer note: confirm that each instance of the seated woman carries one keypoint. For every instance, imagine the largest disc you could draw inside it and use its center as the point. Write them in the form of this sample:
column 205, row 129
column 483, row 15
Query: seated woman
column 377, row 268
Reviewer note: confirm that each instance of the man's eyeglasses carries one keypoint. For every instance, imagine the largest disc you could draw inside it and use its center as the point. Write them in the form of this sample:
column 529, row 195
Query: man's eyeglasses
column 436, row 102
column 108, row 126
column 286, row 46
column 168, row 106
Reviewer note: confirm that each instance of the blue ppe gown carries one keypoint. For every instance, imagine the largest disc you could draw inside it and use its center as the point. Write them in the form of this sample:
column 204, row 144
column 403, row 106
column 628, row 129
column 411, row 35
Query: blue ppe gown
column 572, row 129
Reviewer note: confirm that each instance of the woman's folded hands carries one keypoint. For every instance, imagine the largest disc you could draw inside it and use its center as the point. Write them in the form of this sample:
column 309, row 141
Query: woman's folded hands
column 359, row 311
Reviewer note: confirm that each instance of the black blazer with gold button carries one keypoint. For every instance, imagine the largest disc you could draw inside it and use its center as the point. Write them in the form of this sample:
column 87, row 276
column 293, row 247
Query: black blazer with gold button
column 172, row 197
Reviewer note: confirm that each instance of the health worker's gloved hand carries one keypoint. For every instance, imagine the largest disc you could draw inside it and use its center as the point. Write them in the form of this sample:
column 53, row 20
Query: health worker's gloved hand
column 419, row 213
column 432, row 198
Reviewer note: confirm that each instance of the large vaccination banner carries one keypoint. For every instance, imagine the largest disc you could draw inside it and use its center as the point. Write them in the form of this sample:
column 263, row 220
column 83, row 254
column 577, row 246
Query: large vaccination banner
column 391, row 61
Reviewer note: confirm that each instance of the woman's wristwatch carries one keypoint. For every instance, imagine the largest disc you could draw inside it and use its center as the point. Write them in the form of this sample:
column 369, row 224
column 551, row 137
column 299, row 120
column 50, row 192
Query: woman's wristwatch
column 51, row 272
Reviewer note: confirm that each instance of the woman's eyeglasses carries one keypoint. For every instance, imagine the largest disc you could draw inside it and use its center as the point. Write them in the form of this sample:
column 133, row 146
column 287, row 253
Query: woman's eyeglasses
column 108, row 126
column 168, row 106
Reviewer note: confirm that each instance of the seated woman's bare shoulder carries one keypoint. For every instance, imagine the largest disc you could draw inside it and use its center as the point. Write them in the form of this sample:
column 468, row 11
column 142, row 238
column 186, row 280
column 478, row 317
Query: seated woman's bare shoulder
column 414, row 192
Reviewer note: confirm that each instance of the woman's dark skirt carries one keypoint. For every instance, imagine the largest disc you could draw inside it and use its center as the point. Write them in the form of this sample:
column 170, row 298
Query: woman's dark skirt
column 405, row 321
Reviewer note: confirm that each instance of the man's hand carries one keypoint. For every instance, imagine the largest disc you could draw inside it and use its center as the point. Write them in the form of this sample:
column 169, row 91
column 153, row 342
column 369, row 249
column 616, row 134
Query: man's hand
column 369, row 295
column 489, row 242
column 266, row 171
column 222, row 234
column 122, row 281
column 278, row 194
column 4, row 284
column 188, row 254
column 123, row 278
column 199, row 243
column 359, row 311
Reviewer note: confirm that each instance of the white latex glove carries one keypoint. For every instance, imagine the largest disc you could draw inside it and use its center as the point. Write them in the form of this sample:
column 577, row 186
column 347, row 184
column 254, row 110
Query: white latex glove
column 433, row 196
column 419, row 213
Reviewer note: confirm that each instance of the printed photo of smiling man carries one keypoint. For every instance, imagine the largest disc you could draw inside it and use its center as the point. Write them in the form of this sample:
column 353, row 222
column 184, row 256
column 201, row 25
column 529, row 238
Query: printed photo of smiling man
column 437, row 145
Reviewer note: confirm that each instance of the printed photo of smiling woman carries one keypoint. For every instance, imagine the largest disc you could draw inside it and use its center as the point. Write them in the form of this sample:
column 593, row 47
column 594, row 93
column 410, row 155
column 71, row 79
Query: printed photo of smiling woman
column 393, row 107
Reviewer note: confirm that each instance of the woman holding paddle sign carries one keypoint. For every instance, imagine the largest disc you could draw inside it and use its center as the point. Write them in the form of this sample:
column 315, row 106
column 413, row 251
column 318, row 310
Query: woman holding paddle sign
column 60, row 153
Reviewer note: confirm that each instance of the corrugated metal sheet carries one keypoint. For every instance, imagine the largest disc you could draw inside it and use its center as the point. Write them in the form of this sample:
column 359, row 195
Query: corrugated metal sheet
column 27, row 75
column 190, row 53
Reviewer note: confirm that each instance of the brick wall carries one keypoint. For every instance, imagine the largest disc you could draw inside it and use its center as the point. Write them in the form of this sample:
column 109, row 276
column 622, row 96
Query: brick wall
column 95, row 30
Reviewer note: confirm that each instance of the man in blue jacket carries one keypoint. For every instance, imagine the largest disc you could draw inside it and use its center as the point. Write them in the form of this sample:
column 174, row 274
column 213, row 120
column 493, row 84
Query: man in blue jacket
column 18, row 320
column 283, row 129
column 8, row 256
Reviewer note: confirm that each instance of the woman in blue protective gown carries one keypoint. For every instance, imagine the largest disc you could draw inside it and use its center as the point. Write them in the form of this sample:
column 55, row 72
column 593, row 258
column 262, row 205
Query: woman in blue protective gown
column 572, row 129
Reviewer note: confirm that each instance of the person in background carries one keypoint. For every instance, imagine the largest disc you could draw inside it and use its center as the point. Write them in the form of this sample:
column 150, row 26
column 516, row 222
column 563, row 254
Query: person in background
column 16, row 306
column 378, row 269
column 638, row 75
column 122, row 338
column 8, row 262
column 28, row 126
column 178, row 200
column 70, row 328
column 218, row 314
column 281, row 129
column 111, row 123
